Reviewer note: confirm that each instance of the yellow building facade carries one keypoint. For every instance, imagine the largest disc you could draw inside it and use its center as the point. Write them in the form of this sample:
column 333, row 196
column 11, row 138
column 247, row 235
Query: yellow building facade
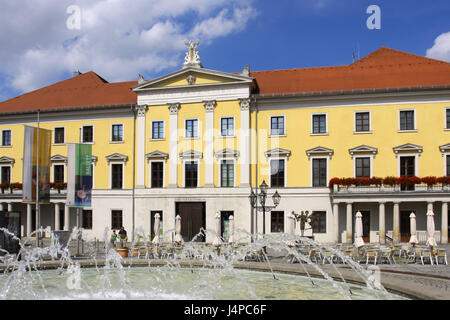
column 197, row 143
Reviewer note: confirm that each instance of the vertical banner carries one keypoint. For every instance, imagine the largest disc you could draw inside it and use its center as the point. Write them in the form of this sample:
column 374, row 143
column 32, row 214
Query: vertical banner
column 30, row 164
column 79, row 175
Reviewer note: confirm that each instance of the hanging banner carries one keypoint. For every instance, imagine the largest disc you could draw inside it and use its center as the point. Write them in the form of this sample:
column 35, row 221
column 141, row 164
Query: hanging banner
column 30, row 164
column 79, row 175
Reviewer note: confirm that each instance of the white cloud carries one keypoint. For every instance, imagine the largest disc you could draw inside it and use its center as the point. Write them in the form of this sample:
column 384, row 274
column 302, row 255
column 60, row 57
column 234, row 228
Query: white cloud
column 441, row 48
column 117, row 39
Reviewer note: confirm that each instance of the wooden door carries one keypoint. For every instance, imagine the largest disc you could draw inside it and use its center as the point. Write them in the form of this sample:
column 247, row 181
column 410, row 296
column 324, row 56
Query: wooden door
column 405, row 226
column 192, row 220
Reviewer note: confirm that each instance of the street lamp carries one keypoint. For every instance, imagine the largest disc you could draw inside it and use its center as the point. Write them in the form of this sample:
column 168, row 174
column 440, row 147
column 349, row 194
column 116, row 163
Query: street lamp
column 262, row 197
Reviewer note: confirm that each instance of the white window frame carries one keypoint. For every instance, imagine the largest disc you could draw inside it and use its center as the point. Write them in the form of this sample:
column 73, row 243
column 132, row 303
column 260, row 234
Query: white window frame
column 416, row 162
column 285, row 171
column 123, row 174
column 445, row 118
column 10, row 172
column 164, row 130
column 93, row 133
column 234, row 127
column 6, row 146
column 111, row 133
column 370, row 122
column 53, row 171
column 198, row 171
column 311, row 168
column 270, row 125
column 219, row 183
column 185, row 129
column 54, row 136
column 415, row 120
column 150, row 173
column 326, row 123
column 363, row 156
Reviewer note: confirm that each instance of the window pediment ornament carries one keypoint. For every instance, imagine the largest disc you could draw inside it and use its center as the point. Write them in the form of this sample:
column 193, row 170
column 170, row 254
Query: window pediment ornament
column 408, row 147
column 277, row 152
column 445, row 148
column 94, row 160
column 191, row 154
column 7, row 160
column 227, row 153
column 157, row 155
column 363, row 149
column 117, row 157
column 319, row 151
column 58, row 158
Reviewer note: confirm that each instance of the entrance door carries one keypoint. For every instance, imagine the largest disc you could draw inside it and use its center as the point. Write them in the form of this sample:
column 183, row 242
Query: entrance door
column 405, row 226
column 408, row 169
column 366, row 225
column 193, row 217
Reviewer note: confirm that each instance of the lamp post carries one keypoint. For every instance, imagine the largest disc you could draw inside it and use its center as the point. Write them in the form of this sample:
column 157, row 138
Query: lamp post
column 262, row 197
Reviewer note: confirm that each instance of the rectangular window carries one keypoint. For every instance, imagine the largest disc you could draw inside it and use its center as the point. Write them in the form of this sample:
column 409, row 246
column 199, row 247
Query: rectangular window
column 158, row 130
column 87, row 219
column 117, row 132
column 277, row 221
column 227, row 173
column 362, row 167
column 408, row 169
column 447, row 118
column 319, row 123
column 58, row 173
column 319, row 172
column 227, row 127
column 116, row 219
column 277, row 171
column 407, row 120
column 277, row 126
column 6, row 174
column 191, row 174
column 6, row 138
column 448, row 165
column 192, row 128
column 225, row 224
column 362, row 120
column 88, row 134
column 157, row 174
column 59, row 135
column 320, row 222
column 152, row 224
column 116, row 176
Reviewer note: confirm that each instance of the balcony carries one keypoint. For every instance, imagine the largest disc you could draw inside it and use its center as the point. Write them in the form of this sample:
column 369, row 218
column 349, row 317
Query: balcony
column 388, row 189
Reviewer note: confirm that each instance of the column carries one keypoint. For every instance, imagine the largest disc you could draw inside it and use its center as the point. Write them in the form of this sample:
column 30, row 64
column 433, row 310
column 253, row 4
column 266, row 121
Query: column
column 245, row 142
column 349, row 223
column 444, row 223
column 382, row 223
column 57, row 221
column 396, row 223
column 140, row 146
column 66, row 219
column 336, row 221
column 173, row 153
column 29, row 218
column 209, row 143
column 9, row 207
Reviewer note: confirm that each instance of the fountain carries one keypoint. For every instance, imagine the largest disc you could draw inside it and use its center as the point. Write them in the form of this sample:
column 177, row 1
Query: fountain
column 194, row 271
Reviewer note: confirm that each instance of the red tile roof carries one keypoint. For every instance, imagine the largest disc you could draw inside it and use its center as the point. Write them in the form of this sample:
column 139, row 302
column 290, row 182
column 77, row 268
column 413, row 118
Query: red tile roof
column 85, row 90
column 382, row 69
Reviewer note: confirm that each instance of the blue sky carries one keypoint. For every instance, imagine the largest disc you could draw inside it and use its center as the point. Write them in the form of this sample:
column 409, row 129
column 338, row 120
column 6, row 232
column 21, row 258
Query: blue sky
column 119, row 39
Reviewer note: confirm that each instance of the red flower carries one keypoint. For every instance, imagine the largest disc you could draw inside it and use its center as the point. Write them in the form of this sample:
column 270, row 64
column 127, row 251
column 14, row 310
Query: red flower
column 391, row 181
column 429, row 181
column 334, row 181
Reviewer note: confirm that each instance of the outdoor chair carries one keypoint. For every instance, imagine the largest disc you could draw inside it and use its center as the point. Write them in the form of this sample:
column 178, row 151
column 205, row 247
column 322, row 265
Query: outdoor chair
column 349, row 253
column 372, row 255
column 327, row 256
column 426, row 254
column 388, row 255
column 404, row 250
column 143, row 251
column 441, row 253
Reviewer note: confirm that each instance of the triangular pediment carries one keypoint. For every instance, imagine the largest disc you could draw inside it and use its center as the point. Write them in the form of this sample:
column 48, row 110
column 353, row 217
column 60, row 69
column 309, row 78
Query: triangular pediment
column 6, row 160
column 277, row 152
column 227, row 153
column 191, row 154
column 192, row 77
column 157, row 155
column 58, row 158
column 117, row 157
column 319, row 151
column 408, row 147
column 445, row 148
column 363, row 149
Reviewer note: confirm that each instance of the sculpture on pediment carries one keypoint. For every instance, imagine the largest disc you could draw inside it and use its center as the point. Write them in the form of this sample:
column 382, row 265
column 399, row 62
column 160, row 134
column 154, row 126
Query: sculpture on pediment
column 192, row 58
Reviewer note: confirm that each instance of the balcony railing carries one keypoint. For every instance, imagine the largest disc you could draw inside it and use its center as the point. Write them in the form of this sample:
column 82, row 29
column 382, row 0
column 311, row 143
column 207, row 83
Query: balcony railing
column 391, row 189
